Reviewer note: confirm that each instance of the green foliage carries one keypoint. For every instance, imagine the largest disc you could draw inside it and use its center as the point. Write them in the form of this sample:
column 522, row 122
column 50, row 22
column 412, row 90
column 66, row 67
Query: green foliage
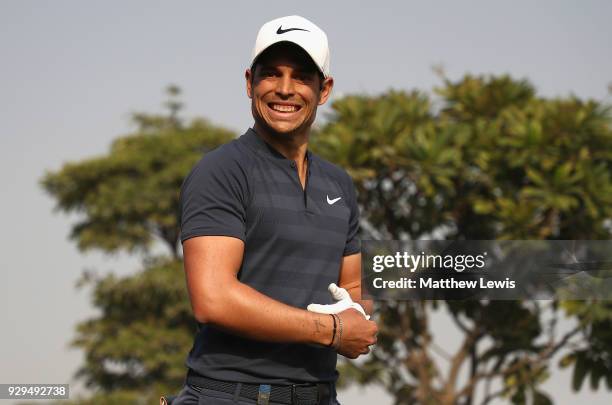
column 495, row 162
column 143, row 333
column 594, row 360
column 129, row 197
column 488, row 160
column 136, row 347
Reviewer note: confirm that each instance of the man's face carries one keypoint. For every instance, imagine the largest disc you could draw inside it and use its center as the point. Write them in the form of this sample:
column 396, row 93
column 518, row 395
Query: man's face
column 285, row 89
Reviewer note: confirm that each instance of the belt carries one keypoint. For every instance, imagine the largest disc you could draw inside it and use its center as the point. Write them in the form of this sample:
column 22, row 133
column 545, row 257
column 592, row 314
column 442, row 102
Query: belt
column 294, row 394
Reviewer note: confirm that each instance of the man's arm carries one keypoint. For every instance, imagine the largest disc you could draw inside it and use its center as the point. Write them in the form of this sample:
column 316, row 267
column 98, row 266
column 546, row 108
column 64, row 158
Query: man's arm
column 350, row 280
column 218, row 297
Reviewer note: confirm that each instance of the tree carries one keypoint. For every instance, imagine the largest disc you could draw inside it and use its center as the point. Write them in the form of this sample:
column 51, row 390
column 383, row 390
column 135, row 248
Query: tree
column 129, row 200
column 129, row 197
column 487, row 160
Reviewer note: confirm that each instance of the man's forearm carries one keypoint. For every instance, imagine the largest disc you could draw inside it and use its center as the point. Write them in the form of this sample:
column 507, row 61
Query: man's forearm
column 240, row 309
column 354, row 291
column 367, row 305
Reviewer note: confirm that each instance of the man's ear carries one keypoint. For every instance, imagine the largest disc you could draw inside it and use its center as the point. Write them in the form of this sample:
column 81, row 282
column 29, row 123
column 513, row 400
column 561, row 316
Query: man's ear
column 249, row 82
column 326, row 89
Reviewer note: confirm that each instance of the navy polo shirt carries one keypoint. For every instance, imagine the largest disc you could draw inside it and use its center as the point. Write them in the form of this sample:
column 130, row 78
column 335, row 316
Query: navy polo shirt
column 294, row 238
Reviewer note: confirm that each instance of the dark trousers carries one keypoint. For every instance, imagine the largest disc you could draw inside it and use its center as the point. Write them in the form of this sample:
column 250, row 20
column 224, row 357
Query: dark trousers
column 190, row 396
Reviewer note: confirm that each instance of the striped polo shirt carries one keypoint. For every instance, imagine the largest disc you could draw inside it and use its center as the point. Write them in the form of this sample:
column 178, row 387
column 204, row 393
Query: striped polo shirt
column 295, row 239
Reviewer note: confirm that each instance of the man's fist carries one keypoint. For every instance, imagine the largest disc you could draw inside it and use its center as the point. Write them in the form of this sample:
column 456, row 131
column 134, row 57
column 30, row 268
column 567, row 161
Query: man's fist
column 343, row 303
column 357, row 334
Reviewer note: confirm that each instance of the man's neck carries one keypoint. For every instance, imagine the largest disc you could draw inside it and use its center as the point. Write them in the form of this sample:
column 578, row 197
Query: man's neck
column 293, row 146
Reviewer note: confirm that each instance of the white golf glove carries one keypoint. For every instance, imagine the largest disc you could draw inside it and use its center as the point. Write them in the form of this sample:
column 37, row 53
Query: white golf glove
column 344, row 302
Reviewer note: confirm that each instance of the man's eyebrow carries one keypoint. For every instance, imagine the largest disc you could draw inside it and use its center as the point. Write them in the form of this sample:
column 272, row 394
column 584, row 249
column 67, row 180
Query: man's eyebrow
column 263, row 67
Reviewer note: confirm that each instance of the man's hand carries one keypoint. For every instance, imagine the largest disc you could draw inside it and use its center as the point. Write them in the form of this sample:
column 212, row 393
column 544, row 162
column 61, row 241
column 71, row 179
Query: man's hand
column 358, row 334
column 343, row 303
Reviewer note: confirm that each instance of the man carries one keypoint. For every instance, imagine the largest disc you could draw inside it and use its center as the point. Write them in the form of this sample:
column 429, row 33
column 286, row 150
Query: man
column 266, row 227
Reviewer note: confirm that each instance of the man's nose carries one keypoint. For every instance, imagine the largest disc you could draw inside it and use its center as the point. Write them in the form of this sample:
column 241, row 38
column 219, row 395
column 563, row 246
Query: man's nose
column 284, row 86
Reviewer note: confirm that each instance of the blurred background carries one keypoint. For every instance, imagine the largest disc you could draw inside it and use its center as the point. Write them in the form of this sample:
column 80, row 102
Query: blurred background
column 470, row 120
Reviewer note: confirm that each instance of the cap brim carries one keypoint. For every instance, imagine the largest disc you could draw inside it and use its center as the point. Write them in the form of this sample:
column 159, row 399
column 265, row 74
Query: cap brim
column 285, row 41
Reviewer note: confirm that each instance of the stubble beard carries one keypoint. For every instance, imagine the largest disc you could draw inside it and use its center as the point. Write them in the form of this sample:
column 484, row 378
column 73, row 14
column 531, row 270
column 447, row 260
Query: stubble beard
column 302, row 128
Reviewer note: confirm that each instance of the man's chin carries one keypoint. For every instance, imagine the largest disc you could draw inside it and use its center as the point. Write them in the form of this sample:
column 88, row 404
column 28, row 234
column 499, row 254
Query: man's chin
column 284, row 130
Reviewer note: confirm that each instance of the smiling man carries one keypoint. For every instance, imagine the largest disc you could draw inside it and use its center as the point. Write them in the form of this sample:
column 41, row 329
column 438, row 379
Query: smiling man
column 266, row 227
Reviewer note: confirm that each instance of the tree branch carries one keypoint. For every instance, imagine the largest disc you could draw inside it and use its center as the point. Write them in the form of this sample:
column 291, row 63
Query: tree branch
column 470, row 339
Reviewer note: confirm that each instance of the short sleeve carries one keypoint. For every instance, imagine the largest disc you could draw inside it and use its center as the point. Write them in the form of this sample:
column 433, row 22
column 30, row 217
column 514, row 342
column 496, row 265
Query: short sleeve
column 353, row 242
column 213, row 198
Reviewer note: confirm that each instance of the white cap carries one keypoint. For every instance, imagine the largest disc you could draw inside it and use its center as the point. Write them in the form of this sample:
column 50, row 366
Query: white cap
column 299, row 31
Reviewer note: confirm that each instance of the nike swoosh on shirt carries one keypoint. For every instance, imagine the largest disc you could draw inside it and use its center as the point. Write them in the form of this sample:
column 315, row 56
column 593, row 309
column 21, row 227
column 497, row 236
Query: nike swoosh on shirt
column 332, row 202
column 280, row 30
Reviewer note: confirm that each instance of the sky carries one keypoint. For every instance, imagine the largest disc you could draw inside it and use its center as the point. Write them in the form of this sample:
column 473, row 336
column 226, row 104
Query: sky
column 72, row 72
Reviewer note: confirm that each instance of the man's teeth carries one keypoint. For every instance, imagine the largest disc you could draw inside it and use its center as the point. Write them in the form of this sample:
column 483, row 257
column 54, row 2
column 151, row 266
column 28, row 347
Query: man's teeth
column 284, row 108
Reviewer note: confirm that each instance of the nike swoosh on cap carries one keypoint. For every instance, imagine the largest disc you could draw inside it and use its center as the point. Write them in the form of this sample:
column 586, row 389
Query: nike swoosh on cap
column 280, row 30
column 332, row 202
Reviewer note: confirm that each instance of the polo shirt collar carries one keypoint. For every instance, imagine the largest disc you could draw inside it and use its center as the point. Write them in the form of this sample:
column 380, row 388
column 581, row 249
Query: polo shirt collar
column 265, row 149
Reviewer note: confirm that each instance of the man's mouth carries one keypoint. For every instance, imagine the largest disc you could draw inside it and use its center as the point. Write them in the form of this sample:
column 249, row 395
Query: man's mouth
column 284, row 108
